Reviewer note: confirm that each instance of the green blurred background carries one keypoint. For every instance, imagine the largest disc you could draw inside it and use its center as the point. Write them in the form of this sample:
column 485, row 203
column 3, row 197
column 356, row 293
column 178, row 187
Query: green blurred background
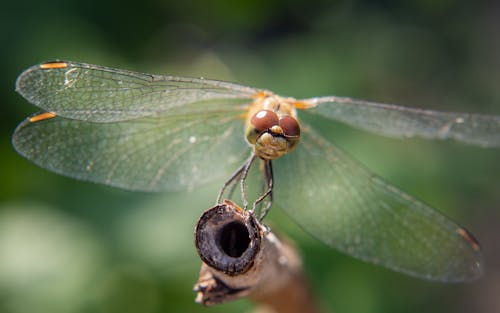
column 69, row 246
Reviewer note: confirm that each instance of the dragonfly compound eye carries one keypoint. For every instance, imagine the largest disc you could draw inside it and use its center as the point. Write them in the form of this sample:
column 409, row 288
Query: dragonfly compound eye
column 290, row 126
column 264, row 120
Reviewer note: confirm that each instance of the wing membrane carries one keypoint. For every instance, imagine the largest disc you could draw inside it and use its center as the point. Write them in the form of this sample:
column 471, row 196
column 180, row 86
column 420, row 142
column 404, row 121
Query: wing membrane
column 150, row 154
column 338, row 201
column 398, row 121
column 100, row 94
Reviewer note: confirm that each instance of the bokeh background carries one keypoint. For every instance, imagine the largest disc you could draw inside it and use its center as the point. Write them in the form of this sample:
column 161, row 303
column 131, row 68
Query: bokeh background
column 69, row 246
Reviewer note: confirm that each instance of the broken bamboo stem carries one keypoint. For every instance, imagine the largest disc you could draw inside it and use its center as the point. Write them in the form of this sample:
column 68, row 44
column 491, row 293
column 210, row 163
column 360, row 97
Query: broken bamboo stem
column 242, row 258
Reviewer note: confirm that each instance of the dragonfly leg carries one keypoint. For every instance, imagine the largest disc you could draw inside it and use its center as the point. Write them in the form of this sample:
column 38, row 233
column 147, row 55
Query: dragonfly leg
column 233, row 188
column 234, row 177
column 268, row 177
column 243, row 179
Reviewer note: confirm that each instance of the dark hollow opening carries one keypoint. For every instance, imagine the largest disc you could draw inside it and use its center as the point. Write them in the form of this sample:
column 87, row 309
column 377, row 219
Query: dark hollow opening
column 234, row 239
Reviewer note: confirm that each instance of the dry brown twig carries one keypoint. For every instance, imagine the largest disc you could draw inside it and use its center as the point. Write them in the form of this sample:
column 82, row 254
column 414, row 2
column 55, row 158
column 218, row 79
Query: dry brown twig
column 241, row 258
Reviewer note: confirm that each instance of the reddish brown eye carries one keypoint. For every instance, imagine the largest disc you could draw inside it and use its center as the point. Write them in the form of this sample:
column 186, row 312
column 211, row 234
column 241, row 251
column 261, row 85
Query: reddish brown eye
column 290, row 126
column 264, row 119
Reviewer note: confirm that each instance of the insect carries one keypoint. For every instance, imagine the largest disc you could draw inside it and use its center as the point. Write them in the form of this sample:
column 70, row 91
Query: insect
column 152, row 132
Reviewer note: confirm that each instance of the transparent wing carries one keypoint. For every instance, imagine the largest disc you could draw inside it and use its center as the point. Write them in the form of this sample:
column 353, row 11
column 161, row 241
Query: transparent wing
column 341, row 203
column 398, row 121
column 100, row 94
column 150, row 154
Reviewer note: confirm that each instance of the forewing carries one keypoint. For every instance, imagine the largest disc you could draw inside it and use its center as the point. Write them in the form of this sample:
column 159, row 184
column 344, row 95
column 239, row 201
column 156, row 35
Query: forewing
column 341, row 203
column 150, row 154
column 101, row 94
column 398, row 121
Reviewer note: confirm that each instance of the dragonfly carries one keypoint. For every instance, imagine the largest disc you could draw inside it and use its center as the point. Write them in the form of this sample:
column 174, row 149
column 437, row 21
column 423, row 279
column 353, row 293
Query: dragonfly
column 165, row 133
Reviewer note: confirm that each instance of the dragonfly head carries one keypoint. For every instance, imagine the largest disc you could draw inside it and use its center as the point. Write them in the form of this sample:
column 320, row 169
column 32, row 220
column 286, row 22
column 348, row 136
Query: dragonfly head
column 272, row 135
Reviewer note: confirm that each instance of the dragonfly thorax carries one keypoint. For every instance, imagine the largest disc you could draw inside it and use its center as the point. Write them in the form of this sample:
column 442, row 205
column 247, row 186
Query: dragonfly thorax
column 272, row 128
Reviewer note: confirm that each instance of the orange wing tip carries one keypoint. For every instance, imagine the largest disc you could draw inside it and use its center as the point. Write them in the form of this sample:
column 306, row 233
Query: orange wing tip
column 42, row 116
column 465, row 234
column 50, row 65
